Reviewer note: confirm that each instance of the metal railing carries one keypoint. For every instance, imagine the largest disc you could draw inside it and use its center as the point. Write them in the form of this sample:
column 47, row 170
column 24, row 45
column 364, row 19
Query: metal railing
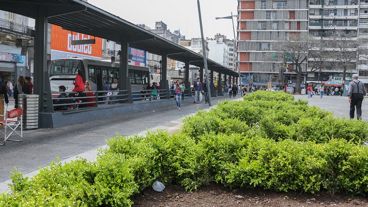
column 150, row 95
column 74, row 101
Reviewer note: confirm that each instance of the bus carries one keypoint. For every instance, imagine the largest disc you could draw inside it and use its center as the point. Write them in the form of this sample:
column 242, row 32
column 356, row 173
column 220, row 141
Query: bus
column 99, row 73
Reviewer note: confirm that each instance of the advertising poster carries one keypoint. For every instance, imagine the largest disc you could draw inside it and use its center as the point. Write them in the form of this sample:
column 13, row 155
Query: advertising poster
column 61, row 44
column 137, row 57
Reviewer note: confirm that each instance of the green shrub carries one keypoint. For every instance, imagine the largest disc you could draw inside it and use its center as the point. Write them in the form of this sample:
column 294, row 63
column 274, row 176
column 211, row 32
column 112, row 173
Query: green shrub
column 267, row 140
column 265, row 95
column 206, row 122
column 187, row 162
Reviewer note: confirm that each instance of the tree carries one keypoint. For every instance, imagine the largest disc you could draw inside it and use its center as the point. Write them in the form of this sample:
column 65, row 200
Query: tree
column 296, row 52
column 317, row 55
column 345, row 49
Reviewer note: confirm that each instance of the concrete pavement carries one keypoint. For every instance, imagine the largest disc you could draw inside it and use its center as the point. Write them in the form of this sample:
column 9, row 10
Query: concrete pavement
column 338, row 105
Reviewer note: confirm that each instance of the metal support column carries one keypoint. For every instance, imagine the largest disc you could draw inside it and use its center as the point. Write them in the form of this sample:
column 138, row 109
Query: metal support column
column 219, row 85
column 124, row 81
column 164, row 85
column 41, row 76
column 186, row 78
column 226, row 84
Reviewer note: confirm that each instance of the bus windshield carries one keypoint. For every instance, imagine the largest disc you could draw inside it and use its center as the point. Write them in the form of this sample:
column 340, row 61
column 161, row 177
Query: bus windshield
column 65, row 67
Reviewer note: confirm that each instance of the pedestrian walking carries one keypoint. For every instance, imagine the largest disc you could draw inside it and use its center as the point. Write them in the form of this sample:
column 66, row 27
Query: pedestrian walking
column 197, row 91
column 10, row 88
column 182, row 88
column 356, row 95
column 310, row 91
column 154, row 91
column 178, row 97
column 229, row 91
column 234, row 90
column 321, row 90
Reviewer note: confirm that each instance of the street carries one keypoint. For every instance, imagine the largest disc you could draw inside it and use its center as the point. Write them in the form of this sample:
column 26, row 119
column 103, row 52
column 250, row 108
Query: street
column 336, row 104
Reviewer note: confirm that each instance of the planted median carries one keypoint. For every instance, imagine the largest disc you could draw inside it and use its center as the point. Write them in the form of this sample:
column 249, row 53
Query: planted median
column 267, row 141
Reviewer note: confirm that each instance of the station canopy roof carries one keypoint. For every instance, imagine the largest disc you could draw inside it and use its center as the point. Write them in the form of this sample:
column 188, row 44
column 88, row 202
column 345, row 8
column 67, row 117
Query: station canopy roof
column 80, row 16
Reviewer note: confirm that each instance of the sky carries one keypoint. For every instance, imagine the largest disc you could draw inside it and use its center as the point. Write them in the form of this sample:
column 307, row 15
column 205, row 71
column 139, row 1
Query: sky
column 177, row 14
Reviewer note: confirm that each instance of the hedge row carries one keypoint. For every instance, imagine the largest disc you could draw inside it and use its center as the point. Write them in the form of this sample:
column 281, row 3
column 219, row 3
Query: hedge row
column 276, row 116
column 217, row 146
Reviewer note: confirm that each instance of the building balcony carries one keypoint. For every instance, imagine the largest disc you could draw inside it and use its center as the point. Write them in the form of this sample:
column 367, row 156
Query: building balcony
column 271, row 9
column 332, row 38
column 273, row 20
column 271, row 30
column 333, row 17
column 333, row 27
column 333, row 6
column 363, row 25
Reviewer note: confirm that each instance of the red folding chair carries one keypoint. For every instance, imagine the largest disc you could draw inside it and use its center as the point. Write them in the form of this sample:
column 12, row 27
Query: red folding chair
column 13, row 121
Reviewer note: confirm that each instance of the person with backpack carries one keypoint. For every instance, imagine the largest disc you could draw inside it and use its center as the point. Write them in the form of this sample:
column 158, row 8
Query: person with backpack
column 356, row 95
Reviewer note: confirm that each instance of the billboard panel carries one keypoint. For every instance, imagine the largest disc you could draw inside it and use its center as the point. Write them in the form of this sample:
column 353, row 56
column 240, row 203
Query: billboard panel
column 61, row 40
column 137, row 57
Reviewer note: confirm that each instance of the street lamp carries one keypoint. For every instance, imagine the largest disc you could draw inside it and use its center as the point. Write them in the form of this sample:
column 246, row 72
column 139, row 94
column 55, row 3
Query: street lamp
column 235, row 42
column 204, row 54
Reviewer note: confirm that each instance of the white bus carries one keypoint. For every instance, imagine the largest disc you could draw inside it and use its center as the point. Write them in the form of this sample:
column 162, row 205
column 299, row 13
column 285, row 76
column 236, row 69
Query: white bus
column 99, row 74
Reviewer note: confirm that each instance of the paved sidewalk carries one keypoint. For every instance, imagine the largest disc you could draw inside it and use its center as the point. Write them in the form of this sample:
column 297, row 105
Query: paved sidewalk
column 42, row 146
column 338, row 105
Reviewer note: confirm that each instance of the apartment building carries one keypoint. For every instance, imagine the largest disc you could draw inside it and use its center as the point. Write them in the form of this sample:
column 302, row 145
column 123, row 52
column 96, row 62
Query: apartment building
column 265, row 24
column 335, row 24
column 362, row 65
column 16, row 52
column 221, row 50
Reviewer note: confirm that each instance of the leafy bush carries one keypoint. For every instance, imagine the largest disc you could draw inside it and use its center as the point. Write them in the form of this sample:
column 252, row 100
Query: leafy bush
column 267, row 140
column 206, row 122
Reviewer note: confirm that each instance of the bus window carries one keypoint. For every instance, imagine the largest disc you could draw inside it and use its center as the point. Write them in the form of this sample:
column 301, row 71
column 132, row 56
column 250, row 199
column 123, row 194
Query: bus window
column 65, row 67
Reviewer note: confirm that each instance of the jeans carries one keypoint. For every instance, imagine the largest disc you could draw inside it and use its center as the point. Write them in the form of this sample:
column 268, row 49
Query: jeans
column 178, row 99
column 356, row 103
column 197, row 96
column 321, row 93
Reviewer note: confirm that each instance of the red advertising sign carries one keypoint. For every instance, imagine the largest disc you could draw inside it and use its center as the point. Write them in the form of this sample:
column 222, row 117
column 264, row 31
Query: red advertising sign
column 61, row 40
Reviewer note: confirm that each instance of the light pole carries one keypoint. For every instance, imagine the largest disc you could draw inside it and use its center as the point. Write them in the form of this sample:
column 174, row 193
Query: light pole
column 204, row 54
column 235, row 42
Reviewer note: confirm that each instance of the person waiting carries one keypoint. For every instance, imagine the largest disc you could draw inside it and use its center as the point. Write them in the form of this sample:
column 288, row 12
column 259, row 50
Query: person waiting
column 62, row 99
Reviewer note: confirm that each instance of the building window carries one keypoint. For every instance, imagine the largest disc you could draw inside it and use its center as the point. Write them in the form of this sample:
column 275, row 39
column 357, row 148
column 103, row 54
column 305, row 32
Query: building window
column 363, row 73
column 279, row 4
column 262, row 25
column 275, row 25
column 268, row 14
column 265, row 46
column 263, row 4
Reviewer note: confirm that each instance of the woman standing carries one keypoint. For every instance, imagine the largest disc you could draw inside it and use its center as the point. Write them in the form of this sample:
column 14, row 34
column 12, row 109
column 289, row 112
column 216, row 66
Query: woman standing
column 79, row 81
column 178, row 95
